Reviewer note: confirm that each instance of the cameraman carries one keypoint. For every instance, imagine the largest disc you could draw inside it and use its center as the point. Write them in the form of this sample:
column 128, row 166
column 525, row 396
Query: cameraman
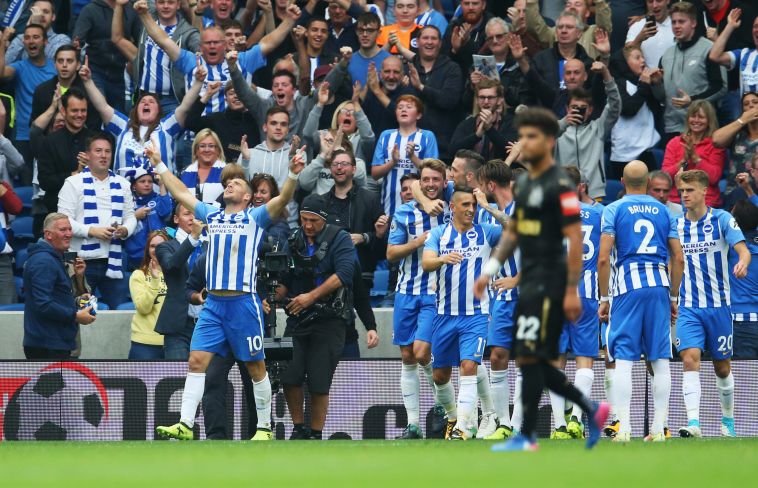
column 319, row 287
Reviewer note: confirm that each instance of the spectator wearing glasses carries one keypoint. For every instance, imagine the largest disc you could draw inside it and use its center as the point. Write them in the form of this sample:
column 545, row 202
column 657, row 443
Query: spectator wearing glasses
column 367, row 28
column 741, row 137
column 203, row 176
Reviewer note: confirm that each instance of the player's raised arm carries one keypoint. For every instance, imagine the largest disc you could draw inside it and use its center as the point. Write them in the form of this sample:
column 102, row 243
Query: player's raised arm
column 607, row 241
column 174, row 185
column 276, row 205
column 274, row 39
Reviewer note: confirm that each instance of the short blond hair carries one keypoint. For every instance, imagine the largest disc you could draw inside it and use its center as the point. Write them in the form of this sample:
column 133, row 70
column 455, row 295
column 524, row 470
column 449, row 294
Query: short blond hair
column 208, row 133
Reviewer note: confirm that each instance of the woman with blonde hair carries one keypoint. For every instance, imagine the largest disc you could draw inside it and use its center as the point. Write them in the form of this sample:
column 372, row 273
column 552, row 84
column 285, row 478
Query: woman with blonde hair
column 694, row 149
column 148, row 289
column 203, row 176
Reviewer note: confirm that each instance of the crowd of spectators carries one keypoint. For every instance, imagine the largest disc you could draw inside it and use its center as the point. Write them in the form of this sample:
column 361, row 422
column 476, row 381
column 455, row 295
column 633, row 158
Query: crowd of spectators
column 367, row 90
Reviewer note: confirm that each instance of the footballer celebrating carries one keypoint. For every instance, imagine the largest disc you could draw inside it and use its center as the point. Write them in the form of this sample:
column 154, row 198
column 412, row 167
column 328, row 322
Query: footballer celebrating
column 705, row 321
column 457, row 252
column 232, row 319
column 415, row 303
column 547, row 211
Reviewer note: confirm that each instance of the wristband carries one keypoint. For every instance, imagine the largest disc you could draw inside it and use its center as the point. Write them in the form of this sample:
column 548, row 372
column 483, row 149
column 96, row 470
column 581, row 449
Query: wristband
column 161, row 168
column 673, row 298
column 605, row 299
column 293, row 176
column 492, row 267
column 740, row 121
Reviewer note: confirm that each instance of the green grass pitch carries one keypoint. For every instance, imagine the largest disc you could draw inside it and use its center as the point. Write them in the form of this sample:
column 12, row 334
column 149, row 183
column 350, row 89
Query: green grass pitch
column 702, row 462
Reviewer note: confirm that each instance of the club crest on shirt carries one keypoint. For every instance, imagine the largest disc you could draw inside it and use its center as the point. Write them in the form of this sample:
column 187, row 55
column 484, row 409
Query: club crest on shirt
column 535, row 197
column 393, row 226
column 708, row 228
column 471, row 235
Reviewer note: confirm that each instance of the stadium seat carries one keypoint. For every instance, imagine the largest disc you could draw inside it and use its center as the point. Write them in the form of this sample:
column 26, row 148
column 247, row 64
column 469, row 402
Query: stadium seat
column 19, row 281
column 126, row 306
column 102, row 307
column 12, row 307
column 21, row 256
column 722, row 186
column 25, row 194
column 612, row 189
column 22, row 228
column 381, row 282
column 658, row 153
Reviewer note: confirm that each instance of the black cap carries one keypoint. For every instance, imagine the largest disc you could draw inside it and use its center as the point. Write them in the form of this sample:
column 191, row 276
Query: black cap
column 314, row 204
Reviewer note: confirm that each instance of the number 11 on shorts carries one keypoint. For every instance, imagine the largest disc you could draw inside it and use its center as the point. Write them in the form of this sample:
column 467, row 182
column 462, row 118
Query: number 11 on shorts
column 255, row 344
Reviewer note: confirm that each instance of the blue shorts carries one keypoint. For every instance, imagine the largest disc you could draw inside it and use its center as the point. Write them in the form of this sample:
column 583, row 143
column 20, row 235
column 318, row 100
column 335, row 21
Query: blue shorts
column 707, row 329
column 501, row 323
column 231, row 324
column 580, row 337
column 604, row 334
column 458, row 337
column 412, row 318
column 640, row 322
column 745, row 340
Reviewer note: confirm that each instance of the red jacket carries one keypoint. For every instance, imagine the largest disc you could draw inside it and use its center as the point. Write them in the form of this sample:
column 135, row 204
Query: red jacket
column 11, row 203
column 712, row 160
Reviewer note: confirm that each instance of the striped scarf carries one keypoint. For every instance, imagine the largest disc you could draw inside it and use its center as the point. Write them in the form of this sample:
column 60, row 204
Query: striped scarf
column 91, row 246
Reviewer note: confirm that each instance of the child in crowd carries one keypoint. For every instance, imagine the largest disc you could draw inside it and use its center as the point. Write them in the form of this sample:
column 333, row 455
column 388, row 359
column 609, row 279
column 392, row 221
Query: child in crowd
column 151, row 209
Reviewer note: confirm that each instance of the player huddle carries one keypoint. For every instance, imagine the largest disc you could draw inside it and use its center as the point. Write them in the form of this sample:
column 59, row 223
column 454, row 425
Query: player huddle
column 536, row 277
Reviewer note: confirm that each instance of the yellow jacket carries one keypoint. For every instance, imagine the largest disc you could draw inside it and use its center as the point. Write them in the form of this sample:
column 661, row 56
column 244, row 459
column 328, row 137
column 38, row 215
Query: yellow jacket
column 148, row 294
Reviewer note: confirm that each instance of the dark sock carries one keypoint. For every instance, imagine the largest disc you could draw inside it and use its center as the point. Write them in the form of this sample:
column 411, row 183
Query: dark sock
column 298, row 426
column 557, row 381
column 315, row 434
column 531, row 391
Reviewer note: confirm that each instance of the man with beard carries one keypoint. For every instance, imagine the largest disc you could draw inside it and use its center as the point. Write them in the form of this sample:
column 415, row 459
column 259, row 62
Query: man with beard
column 465, row 35
column 414, row 308
column 383, row 90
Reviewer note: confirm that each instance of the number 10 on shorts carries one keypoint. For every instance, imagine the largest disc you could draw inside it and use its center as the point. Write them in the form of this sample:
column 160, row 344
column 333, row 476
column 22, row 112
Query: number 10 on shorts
column 255, row 344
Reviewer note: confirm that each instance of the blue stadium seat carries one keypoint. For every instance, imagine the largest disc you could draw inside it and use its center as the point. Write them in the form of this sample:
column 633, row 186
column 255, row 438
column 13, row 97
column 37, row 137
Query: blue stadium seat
column 25, row 194
column 126, row 306
column 19, row 281
column 22, row 228
column 381, row 282
column 612, row 189
column 102, row 307
column 722, row 186
column 12, row 307
column 21, row 256
column 658, row 153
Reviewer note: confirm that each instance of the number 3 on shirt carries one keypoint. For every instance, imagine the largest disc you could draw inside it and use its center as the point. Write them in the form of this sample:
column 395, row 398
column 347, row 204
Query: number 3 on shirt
column 647, row 226
column 255, row 344
column 587, row 232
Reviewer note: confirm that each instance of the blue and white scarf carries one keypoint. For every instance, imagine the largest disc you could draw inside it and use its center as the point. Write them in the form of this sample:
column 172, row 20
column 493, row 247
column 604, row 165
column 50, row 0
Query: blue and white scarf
column 91, row 246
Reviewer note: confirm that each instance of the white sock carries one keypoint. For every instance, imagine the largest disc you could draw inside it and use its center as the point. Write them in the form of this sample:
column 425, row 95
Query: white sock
column 726, row 395
column 583, row 382
column 427, row 370
column 622, row 394
column 608, row 386
column 194, row 386
column 483, row 389
column 446, row 397
column 500, row 393
column 557, row 403
column 409, row 386
column 467, row 403
column 262, row 394
column 691, row 392
column 661, row 393
column 518, row 408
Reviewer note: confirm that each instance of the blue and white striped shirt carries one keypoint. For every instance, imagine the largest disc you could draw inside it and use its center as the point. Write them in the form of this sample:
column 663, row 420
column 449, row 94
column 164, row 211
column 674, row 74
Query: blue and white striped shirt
column 13, row 13
column 426, row 147
column 592, row 216
column 744, row 292
column 156, row 67
column 248, row 61
column 233, row 242
column 747, row 60
column 130, row 152
column 409, row 222
column 642, row 227
column 705, row 244
column 455, row 282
